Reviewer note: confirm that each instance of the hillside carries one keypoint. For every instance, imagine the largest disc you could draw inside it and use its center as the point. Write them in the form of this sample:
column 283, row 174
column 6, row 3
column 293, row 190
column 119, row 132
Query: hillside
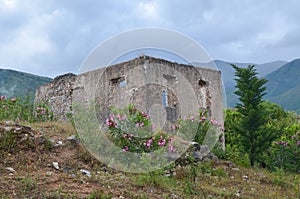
column 46, row 160
column 284, row 86
column 228, row 75
column 19, row 84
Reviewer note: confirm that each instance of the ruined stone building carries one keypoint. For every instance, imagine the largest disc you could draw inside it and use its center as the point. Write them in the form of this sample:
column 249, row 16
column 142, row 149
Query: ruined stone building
column 151, row 84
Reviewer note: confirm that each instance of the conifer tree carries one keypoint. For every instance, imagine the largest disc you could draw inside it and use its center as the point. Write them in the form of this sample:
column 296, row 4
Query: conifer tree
column 250, row 90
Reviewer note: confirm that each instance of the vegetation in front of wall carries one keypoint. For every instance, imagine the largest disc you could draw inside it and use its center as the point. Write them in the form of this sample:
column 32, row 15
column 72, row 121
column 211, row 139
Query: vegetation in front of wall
column 23, row 109
column 260, row 133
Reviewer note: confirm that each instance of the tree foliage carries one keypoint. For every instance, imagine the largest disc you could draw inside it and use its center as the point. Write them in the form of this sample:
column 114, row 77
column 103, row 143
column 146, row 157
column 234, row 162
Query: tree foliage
column 255, row 135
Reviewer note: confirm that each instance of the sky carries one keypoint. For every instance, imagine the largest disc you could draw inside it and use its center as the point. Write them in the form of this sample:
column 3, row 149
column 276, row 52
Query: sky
column 53, row 37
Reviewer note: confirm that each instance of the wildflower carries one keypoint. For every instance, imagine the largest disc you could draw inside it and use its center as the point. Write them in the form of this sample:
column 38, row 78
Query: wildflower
column 3, row 97
column 128, row 136
column 142, row 124
column 285, row 144
column 125, row 149
column 110, row 123
column 137, row 124
column 40, row 110
column 148, row 143
column 13, row 99
column 145, row 115
column 119, row 116
column 298, row 143
column 162, row 141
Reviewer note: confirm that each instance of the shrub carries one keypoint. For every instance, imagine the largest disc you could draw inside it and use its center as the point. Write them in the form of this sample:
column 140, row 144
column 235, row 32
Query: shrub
column 17, row 109
column 132, row 130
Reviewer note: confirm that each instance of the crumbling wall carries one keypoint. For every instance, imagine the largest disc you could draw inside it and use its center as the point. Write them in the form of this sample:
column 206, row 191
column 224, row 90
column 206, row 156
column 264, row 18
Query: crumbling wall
column 57, row 95
column 144, row 82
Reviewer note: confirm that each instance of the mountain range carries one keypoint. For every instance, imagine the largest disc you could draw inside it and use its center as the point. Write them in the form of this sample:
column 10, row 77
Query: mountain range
column 19, row 84
column 283, row 86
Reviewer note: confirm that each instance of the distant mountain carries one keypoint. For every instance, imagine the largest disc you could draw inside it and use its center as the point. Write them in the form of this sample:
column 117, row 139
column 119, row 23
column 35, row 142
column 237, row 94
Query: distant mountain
column 19, row 84
column 283, row 86
column 228, row 74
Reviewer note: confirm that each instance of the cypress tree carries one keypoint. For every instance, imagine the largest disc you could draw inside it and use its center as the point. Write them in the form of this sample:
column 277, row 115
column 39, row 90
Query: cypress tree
column 250, row 90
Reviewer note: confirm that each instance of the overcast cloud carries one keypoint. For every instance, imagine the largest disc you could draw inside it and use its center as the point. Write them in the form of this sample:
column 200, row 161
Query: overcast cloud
column 53, row 37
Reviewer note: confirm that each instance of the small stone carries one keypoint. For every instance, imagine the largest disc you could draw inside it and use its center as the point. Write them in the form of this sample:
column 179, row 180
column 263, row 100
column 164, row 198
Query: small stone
column 60, row 143
column 235, row 169
column 55, row 165
column 86, row 172
column 73, row 139
column 49, row 173
column 10, row 169
column 18, row 129
column 204, row 149
column 196, row 146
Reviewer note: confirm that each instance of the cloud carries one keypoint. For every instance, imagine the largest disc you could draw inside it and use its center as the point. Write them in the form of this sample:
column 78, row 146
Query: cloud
column 54, row 37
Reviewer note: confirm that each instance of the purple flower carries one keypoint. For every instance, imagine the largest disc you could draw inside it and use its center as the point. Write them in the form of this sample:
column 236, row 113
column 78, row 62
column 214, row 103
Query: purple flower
column 148, row 143
column 162, row 142
column 145, row 115
column 125, row 149
column 3, row 97
column 13, row 99
column 298, row 143
column 110, row 123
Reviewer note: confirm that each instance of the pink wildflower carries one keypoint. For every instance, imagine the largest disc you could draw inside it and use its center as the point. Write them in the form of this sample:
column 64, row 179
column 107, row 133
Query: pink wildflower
column 119, row 117
column 125, row 149
column 148, row 143
column 110, row 123
column 162, row 141
column 3, row 97
column 298, row 143
column 145, row 115
column 13, row 99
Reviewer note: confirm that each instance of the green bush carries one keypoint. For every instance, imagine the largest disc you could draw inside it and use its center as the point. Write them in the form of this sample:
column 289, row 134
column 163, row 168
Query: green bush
column 17, row 109
column 132, row 130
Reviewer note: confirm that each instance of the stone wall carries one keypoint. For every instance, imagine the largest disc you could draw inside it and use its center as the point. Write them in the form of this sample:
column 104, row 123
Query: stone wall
column 57, row 95
column 149, row 83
